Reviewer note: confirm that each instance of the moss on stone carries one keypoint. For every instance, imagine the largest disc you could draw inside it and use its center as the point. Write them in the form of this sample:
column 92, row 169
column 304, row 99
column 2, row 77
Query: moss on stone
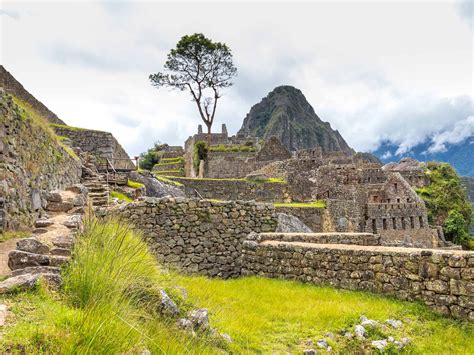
column 312, row 204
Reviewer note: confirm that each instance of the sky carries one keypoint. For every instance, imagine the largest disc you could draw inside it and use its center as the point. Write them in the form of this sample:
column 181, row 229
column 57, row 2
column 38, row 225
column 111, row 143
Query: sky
column 399, row 71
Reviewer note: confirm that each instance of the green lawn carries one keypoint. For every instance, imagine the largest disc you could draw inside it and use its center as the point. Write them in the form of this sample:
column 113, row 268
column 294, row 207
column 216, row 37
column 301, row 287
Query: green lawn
column 312, row 204
column 267, row 316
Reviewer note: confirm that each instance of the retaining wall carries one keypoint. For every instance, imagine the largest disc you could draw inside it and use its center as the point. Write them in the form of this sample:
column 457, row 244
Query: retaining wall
column 199, row 236
column 442, row 279
column 311, row 216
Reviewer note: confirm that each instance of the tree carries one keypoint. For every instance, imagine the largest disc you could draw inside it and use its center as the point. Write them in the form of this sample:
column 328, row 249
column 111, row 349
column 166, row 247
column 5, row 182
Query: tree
column 201, row 66
column 151, row 157
column 455, row 227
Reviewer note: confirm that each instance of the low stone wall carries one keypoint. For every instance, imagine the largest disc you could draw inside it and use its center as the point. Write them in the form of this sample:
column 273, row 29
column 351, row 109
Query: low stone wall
column 320, row 238
column 442, row 279
column 311, row 216
column 99, row 143
column 199, row 236
column 235, row 189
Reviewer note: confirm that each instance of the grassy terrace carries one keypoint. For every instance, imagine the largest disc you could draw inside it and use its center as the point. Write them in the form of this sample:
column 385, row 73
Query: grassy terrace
column 120, row 196
column 167, row 180
column 134, row 184
column 313, row 204
column 231, row 148
column 72, row 128
column 108, row 305
column 261, row 181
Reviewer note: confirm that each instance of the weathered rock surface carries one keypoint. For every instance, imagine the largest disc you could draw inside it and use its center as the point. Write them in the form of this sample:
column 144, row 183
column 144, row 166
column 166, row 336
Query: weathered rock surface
column 286, row 114
column 199, row 319
column 32, row 245
column 154, row 187
column 36, row 270
column 168, row 307
column 291, row 224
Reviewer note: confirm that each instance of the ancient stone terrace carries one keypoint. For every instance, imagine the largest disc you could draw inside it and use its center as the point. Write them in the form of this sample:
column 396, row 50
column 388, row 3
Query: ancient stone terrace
column 443, row 280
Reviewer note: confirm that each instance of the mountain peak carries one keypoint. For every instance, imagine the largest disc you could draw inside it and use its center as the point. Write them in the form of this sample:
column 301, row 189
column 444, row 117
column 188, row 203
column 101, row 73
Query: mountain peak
column 286, row 114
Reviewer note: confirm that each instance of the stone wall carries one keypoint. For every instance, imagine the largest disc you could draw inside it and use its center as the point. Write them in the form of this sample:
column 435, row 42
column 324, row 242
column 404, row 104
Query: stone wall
column 443, row 280
column 230, row 164
column 101, row 144
column 312, row 217
column 32, row 162
column 13, row 87
column 199, row 236
column 235, row 189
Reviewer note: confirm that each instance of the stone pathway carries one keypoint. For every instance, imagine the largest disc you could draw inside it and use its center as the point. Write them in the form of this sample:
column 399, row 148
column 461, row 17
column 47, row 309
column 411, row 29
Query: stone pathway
column 50, row 244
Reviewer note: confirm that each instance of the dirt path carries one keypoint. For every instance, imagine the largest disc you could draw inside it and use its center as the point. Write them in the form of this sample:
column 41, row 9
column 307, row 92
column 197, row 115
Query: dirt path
column 5, row 248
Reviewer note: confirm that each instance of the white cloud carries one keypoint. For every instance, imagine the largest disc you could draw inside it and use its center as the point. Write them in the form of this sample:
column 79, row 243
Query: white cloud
column 375, row 71
column 457, row 134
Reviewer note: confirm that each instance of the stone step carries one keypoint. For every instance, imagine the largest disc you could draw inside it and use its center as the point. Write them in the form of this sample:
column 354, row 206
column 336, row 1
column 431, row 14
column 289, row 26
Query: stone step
column 20, row 259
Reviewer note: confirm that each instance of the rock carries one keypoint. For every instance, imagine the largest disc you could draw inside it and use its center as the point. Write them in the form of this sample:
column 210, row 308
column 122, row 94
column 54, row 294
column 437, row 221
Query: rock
column 199, row 319
column 77, row 189
column 167, row 306
column 54, row 196
column 348, row 335
column 60, row 252
column 145, row 352
column 18, row 283
column 322, row 344
column 63, row 241
column 32, row 245
column 287, row 115
column 405, row 341
column 184, row 323
column 36, row 199
column 309, row 352
column 226, row 337
column 59, row 206
column 73, row 221
column 290, row 224
column 394, row 323
column 18, row 259
column 3, row 314
column 36, row 270
column 391, row 339
column 43, row 223
column 359, row 331
column 370, row 322
column 379, row 344
column 40, row 231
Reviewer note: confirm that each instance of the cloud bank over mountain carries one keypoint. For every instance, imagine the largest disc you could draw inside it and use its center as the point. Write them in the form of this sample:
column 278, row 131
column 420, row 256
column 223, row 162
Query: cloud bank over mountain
column 373, row 70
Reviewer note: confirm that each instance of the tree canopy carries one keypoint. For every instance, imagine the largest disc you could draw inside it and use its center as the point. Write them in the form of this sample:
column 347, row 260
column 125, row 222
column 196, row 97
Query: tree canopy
column 201, row 66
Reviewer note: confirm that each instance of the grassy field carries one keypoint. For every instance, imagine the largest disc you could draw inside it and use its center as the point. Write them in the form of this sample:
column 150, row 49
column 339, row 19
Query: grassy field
column 267, row 316
column 109, row 305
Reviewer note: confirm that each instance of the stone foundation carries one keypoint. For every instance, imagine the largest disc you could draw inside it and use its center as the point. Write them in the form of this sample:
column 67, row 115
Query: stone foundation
column 199, row 236
column 443, row 280
column 312, row 217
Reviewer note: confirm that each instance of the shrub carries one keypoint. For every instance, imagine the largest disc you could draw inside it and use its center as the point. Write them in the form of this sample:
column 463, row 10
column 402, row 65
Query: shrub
column 455, row 227
column 200, row 153
column 151, row 157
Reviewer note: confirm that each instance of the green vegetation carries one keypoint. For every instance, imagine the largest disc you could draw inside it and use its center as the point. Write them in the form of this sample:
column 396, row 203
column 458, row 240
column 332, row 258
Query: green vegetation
column 108, row 305
column 167, row 180
column 447, row 202
column 199, row 153
column 120, row 196
column 73, row 128
column 151, row 157
column 276, row 316
column 25, row 110
column 164, row 172
column 312, row 204
column 232, row 148
column 177, row 160
column 135, row 184
column 250, row 181
column 7, row 235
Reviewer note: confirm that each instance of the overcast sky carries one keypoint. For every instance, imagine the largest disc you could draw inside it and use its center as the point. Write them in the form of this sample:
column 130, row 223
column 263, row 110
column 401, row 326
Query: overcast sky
column 399, row 71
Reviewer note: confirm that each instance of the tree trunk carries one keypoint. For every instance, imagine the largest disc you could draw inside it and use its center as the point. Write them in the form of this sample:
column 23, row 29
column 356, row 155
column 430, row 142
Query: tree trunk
column 208, row 135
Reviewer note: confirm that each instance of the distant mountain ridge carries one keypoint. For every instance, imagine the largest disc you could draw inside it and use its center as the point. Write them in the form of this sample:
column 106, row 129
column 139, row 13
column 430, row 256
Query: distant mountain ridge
column 286, row 114
column 460, row 156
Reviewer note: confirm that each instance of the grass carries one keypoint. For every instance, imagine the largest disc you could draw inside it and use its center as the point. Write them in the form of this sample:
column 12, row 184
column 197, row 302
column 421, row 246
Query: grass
column 258, row 181
column 312, row 204
column 120, row 196
column 172, row 160
column 134, row 184
column 277, row 316
column 72, row 128
column 8, row 235
column 233, row 148
column 108, row 304
column 167, row 180
column 27, row 111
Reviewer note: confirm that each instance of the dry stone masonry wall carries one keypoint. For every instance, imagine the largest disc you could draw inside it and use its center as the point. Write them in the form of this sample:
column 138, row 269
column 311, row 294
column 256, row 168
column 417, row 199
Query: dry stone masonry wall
column 235, row 189
column 442, row 279
column 102, row 144
column 199, row 236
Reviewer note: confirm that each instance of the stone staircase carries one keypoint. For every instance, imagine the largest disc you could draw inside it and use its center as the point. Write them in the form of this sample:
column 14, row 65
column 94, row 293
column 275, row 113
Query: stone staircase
column 98, row 188
column 49, row 247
